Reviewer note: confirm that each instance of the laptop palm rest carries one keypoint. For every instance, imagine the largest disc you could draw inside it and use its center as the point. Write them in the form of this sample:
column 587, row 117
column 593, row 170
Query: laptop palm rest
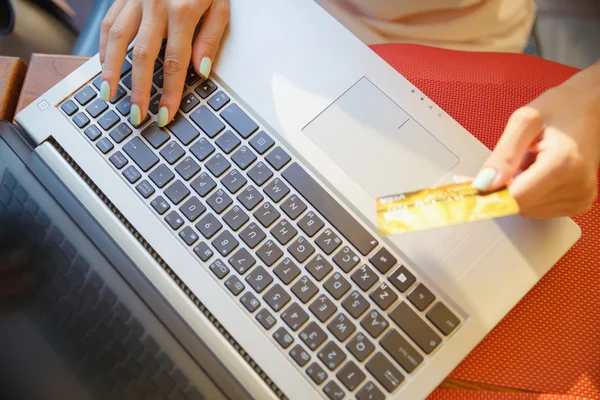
column 367, row 135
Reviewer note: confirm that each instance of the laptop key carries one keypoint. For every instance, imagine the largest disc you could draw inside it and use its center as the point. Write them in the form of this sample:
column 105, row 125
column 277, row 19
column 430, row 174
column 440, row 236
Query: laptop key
column 337, row 285
column 191, row 77
column 131, row 174
column 126, row 67
column 176, row 192
column 278, row 158
column 402, row 279
column 323, row 308
column 421, row 297
column 250, row 301
column 192, row 209
column 121, row 132
column 219, row 201
column 234, row 285
column 316, row 195
column 94, row 109
column 310, row 224
column 217, row 165
column 383, row 260
column 331, row 355
column 313, row 336
column 266, row 214
column 294, row 316
column 265, row 318
column 85, row 95
column 69, row 107
column 341, row 327
column 235, row 218
column 316, row 373
column 206, row 88
column 154, row 104
column 219, row 268
column 242, row 261
column 243, row 157
column 203, row 184
column 174, row 220
column 161, row 175
column 301, row 249
column 293, row 206
column 225, row 243
column 261, row 142
column 276, row 190
column 328, row 241
column 140, row 154
column 282, row 337
column 305, row 289
column 239, row 121
column 203, row 251
column 218, row 101
column 155, row 135
column 233, row 181
column 260, row 173
column 370, row 392
column 227, row 142
column 360, row 347
column 250, row 197
column 207, row 121
column 286, row 270
column 333, row 391
column 118, row 160
column 145, row 189
column 351, row 376
column 283, row 231
column 346, row 259
column 415, row 327
column 105, row 145
column 108, row 120
column 364, row 277
column 202, row 149
column 188, row 103
column 276, row 297
column 188, row 235
column 384, row 296
column 374, row 323
column 183, row 129
column 127, row 81
column 269, row 252
column 300, row 355
column 443, row 318
column 92, row 132
column 124, row 107
column 355, row 304
column 187, row 168
column 119, row 95
column 81, row 120
column 172, row 152
column 385, row 372
column 319, row 267
column 252, row 235
column 401, row 351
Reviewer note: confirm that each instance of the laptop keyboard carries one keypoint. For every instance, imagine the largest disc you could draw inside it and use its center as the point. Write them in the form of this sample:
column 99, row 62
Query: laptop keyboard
column 353, row 317
column 82, row 318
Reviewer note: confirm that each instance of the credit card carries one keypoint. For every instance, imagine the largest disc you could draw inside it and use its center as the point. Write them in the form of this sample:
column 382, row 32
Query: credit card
column 441, row 206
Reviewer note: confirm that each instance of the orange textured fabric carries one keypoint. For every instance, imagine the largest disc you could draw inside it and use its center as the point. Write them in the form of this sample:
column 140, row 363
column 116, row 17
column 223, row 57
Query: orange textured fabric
column 447, row 394
column 550, row 343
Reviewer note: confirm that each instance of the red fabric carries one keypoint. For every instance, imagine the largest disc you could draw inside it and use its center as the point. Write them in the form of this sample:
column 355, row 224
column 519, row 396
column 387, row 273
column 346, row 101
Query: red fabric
column 550, row 343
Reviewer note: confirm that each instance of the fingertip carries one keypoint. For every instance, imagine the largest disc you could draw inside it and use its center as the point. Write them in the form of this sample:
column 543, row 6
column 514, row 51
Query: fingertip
column 105, row 90
column 135, row 115
column 205, row 67
column 163, row 116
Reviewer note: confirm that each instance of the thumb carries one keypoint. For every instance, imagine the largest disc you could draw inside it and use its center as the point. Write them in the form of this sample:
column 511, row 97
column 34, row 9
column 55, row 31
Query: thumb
column 523, row 127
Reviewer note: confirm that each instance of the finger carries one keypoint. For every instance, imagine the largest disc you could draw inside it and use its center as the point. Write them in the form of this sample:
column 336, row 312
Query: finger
column 146, row 49
column 107, row 23
column 534, row 185
column 177, row 60
column 522, row 129
column 120, row 35
column 206, row 44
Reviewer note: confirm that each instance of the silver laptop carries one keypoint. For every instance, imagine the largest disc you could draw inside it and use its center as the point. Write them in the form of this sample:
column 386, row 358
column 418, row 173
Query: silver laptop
column 253, row 213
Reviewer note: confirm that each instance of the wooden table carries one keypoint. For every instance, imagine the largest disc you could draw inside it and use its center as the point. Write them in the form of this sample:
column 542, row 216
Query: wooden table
column 46, row 70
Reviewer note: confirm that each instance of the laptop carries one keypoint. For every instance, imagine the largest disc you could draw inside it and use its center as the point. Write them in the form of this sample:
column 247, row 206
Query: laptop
column 253, row 213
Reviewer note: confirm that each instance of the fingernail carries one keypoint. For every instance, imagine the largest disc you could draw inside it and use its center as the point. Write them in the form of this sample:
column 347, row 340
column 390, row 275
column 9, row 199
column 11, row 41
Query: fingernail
column 163, row 116
column 205, row 66
column 105, row 91
column 484, row 178
column 136, row 115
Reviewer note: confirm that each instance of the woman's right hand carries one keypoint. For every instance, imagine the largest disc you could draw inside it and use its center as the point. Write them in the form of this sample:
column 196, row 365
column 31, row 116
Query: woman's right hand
column 152, row 21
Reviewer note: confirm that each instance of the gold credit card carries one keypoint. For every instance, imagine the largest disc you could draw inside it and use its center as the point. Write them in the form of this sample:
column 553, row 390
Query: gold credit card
column 441, row 206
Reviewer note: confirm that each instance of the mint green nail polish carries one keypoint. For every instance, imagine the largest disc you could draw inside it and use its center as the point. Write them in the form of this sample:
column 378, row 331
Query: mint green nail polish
column 484, row 179
column 135, row 117
column 163, row 116
column 205, row 66
column 105, row 91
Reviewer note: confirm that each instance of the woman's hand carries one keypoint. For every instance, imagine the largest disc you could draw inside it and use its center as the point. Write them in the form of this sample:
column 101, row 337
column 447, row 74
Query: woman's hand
column 151, row 21
column 549, row 153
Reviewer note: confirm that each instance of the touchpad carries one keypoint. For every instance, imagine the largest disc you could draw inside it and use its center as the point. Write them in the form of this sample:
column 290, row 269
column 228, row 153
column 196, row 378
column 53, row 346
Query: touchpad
column 377, row 144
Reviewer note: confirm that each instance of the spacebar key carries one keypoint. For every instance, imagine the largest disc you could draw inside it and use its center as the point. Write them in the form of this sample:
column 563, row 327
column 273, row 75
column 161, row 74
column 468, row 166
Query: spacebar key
column 140, row 154
column 337, row 216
